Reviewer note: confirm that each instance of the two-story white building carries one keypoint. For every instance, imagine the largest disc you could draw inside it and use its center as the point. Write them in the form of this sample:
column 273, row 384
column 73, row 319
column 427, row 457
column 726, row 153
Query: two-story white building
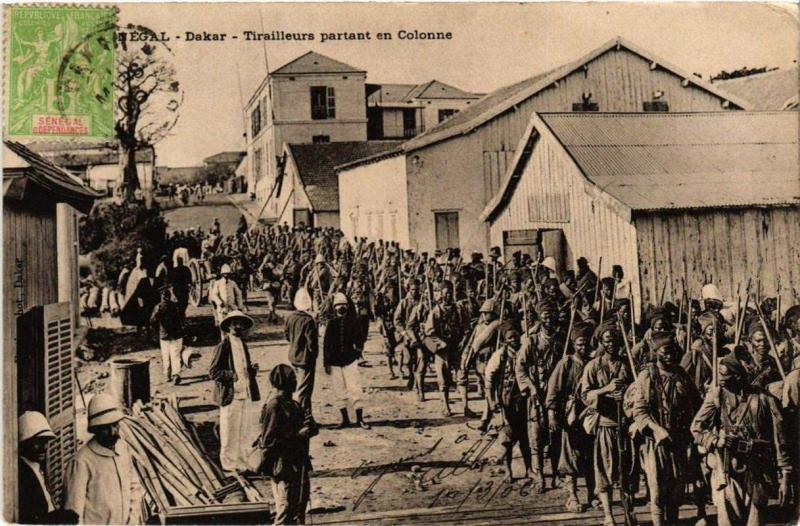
column 312, row 99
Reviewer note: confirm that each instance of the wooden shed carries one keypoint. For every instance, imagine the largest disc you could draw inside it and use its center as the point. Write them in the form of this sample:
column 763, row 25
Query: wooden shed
column 469, row 153
column 669, row 196
column 40, row 252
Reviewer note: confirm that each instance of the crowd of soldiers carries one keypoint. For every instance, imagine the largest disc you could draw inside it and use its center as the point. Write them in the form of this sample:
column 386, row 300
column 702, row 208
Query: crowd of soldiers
column 697, row 397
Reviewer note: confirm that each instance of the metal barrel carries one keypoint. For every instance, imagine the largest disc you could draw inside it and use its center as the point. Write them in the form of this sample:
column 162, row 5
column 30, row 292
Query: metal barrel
column 130, row 380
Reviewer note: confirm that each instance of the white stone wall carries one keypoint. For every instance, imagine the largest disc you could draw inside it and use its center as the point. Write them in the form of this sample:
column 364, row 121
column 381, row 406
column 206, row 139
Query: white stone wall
column 373, row 201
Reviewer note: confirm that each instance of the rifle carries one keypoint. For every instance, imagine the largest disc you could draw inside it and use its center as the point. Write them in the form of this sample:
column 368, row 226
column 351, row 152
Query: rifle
column 486, row 282
column 399, row 280
column 597, row 281
column 574, row 295
column 768, row 334
column 569, row 330
column 536, row 381
column 625, row 497
column 502, row 312
column 663, row 290
column 778, row 308
column 714, row 357
column 688, row 322
column 631, row 363
column 743, row 312
column 633, row 316
column 429, row 290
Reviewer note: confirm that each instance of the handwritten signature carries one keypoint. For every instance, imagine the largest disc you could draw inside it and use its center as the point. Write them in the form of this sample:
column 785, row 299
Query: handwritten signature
column 473, row 459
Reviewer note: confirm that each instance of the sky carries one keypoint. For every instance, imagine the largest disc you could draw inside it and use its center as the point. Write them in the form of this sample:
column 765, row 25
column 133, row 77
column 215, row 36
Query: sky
column 492, row 45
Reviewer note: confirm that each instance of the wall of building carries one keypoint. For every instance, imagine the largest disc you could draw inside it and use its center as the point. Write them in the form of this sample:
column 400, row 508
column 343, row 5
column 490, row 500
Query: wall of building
column 553, row 194
column 326, row 219
column 105, row 176
column 29, row 279
column 392, row 123
column 374, row 190
column 438, row 180
column 729, row 246
column 286, row 118
column 292, row 195
column 292, row 98
column 618, row 81
column 431, row 107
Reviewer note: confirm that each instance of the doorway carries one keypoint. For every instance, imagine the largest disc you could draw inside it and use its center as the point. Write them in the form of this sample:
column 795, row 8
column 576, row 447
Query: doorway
column 446, row 230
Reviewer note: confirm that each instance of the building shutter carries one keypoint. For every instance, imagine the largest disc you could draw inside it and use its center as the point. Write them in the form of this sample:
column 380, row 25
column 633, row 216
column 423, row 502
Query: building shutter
column 331, row 103
column 59, row 394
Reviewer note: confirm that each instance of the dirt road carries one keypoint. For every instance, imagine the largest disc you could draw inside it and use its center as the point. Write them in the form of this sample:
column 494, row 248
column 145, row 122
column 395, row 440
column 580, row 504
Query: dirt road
column 413, row 465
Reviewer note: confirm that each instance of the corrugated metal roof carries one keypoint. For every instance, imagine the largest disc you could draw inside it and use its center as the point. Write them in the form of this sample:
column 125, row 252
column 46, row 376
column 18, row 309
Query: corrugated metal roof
column 766, row 91
column 316, row 166
column 502, row 99
column 657, row 161
column 313, row 62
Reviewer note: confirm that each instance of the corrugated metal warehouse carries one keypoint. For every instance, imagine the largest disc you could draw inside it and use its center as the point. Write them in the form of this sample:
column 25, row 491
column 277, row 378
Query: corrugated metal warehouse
column 668, row 196
column 469, row 153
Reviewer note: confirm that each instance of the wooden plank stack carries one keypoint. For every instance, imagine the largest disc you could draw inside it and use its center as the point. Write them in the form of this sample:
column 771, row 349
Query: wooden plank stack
column 173, row 466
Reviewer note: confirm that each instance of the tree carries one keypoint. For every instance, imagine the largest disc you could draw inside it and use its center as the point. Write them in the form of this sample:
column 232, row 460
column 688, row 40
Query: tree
column 216, row 173
column 112, row 233
column 741, row 72
column 148, row 97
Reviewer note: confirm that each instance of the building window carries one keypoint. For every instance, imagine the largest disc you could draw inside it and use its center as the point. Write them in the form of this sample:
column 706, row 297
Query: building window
column 409, row 123
column 586, row 104
column 656, row 105
column 255, row 121
column 446, row 224
column 323, row 103
column 446, row 114
column 258, row 164
column 320, row 139
column 264, row 111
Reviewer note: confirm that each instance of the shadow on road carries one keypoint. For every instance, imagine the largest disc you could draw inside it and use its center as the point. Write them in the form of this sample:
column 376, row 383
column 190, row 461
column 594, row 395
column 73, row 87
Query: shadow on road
column 419, row 422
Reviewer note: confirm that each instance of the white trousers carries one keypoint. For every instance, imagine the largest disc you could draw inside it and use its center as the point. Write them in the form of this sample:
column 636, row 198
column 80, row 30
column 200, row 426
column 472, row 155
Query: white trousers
column 232, row 433
column 171, row 357
column 347, row 385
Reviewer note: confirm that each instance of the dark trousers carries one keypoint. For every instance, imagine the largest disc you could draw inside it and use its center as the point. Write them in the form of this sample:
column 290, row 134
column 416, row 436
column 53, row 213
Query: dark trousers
column 305, row 386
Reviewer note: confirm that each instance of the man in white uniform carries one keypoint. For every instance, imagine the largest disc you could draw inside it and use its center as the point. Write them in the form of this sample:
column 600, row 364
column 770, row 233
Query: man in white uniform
column 102, row 487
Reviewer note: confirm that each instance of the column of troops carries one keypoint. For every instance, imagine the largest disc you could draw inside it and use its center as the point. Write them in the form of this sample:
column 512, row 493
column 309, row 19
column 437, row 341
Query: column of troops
column 696, row 397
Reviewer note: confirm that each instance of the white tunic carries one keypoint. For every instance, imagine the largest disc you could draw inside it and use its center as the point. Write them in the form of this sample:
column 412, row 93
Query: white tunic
column 102, row 485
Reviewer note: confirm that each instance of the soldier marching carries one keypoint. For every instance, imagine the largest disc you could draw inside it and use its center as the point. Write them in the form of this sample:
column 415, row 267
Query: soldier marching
column 700, row 395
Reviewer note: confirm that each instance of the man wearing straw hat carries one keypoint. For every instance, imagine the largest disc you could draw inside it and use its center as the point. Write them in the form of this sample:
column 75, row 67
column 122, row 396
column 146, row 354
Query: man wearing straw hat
column 101, row 487
column 235, row 386
column 36, row 504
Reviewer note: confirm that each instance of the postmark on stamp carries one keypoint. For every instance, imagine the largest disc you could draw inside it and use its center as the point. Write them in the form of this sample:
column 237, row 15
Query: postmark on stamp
column 59, row 72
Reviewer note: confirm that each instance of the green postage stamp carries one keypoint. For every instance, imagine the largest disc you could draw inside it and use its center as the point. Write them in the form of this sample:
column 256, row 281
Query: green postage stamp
column 59, row 72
